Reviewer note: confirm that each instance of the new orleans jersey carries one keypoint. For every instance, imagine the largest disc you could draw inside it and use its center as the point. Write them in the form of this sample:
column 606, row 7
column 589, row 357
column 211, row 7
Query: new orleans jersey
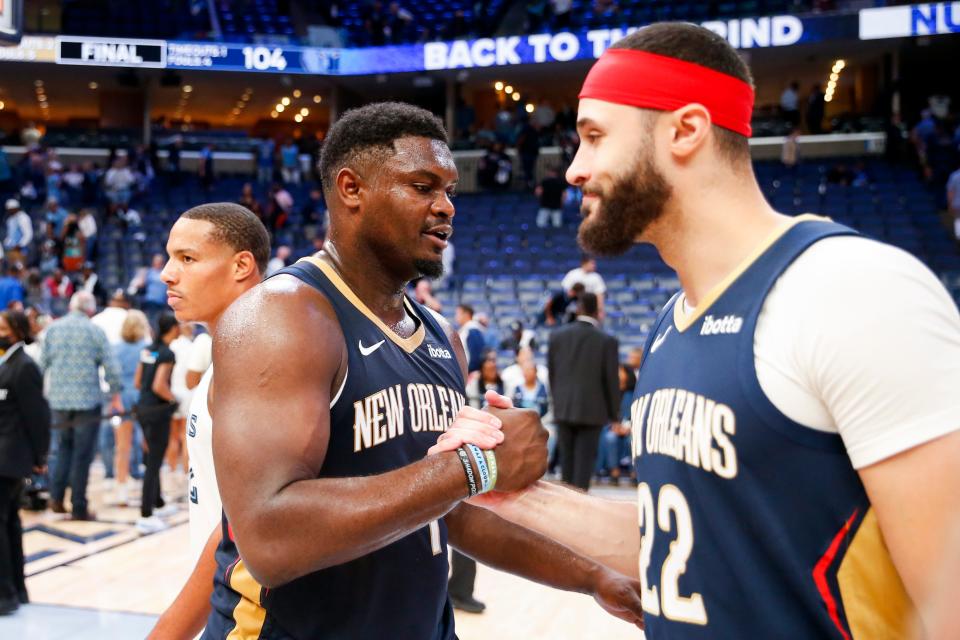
column 398, row 395
column 752, row 525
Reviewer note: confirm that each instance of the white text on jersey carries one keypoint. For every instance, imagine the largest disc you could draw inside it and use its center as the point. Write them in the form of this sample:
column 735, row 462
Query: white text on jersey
column 380, row 417
column 726, row 324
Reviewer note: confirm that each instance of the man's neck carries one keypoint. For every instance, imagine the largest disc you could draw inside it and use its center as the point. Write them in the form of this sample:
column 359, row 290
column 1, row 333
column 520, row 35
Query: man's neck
column 380, row 291
column 707, row 234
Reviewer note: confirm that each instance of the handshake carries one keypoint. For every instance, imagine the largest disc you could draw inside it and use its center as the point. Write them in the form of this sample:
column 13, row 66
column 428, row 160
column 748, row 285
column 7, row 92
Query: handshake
column 516, row 436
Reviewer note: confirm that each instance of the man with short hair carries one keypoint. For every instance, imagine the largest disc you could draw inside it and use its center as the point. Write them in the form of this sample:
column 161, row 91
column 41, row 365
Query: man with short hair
column 471, row 335
column 19, row 237
column 55, row 215
column 797, row 466
column 217, row 252
column 74, row 349
column 550, row 193
column 331, row 385
column 584, row 386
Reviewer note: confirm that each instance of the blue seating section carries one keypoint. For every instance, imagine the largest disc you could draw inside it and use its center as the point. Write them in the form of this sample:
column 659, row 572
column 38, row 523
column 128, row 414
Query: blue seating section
column 506, row 266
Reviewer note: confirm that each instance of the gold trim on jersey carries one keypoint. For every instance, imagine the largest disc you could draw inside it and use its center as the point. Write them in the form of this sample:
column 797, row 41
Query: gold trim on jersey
column 874, row 598
column 249, row 615
column 407, row 344
column 684, row 319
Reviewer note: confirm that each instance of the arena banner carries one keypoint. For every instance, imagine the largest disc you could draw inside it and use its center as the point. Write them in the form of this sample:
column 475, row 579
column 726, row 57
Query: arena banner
column 910, row 21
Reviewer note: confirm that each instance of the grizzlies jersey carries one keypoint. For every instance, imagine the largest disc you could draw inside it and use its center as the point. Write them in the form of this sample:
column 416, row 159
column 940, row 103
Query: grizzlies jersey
column 752, row 525
column 398, row 396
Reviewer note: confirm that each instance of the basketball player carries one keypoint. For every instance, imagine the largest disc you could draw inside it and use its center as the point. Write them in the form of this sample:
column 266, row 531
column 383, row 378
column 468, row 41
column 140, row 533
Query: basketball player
column 217, row 251
column 331, row 386
column 796, row 415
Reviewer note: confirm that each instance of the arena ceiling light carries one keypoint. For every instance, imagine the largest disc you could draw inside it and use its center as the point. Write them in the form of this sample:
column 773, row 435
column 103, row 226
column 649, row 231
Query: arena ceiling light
column 835, row 71
column 279, row 108
column 93, row 86
column 274, row 114
column 187, row 88
column 285, row 101
column 317, row 99
column 508, row 89
column 516, row 96
column 2, row 105
column 498, row 86
column 530, row 108
column 298, row 118
column 304, row 112
column 296, row 93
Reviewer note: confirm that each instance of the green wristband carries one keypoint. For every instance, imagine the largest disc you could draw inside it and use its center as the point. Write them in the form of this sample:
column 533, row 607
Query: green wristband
column 492, row 464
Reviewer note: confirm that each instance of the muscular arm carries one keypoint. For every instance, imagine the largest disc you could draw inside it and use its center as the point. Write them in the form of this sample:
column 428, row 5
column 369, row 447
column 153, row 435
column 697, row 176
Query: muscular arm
column 187, row 615
column 606, row 531
column 277, row 352
column 916, row 495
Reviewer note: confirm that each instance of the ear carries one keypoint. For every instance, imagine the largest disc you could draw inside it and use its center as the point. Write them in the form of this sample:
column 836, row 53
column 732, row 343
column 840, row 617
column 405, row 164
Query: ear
column 690, row 129
column 347, row 186
column 244, row 266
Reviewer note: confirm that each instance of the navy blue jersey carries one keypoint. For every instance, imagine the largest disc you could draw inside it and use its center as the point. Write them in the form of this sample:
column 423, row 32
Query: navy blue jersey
column 752, row 525
column 398, row 395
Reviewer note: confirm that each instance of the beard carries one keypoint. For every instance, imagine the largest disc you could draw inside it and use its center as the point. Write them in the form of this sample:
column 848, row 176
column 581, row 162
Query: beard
column 625, row 210
column 429, row 268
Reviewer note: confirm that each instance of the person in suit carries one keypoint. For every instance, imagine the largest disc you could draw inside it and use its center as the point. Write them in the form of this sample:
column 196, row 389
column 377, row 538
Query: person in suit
column 583, row 361
column 24, row 441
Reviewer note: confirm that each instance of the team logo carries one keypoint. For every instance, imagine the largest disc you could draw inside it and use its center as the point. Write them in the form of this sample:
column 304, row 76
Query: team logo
column 720, row 326
column 438, row 352
column 192, row 431
column 365, row 351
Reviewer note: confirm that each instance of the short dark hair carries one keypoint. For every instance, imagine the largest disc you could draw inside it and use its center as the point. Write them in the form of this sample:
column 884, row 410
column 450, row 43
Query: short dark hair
column 701, row 46
column 631, row 376
column 578, row 289
column 373, row 128
column 467, row 309
column 237, row 227
column 19, row 324
column 165, row 323
column 587, row 304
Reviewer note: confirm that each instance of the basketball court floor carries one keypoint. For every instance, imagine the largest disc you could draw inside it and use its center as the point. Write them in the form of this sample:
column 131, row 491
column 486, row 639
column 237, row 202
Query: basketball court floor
column 102, row 580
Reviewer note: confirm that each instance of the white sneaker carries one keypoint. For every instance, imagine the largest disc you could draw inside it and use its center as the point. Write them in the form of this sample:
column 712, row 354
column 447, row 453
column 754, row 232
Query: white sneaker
column 167, row 510
column 153, row 524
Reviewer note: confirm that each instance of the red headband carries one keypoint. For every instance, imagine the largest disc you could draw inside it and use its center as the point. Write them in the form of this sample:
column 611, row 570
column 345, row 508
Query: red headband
column 652, row 81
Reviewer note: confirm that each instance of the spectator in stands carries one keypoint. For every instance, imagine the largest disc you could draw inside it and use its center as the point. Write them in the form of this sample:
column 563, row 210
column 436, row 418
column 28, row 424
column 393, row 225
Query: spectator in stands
column 550, row 192
column 87, row 224
column 397, row 29
column 942, row 157
column 491, row 332
column 182, row 347
column 458, row 27
column 790, row 154
column 423, row 293
column 134, row 338
column 528, row 149
column 531, row 393
column 119, row 182
column 495, row 169
column 290, row 159
column 861, row 176
column 89, row 281
column 51, row 251
column 73, row 352
column 37, row 297
column 314, row 215
column 557, row 310
column 512, row 375
column 471, row 334
column 279, row 260
column 279, row 207
column 11, row 286
column 816, row 108
column 61, row 291
column 154, row 289
column 265, row 162
column 790, row 103
column 155, row 409
column 249, row 200
column 24, row 442
column 56, row 215
column 615, row 437
column 518, row 338
column 73, row 185
column 463, row 573
column 111, row 320
column 536, row 15
column 74, row 245
column 605, row 7
column 174, row 166
column 895, row 148
column 205, row 168
column 28, row 193
column 447, row 259
column 840, row 174
column 953, row 201
column 375, row 23
column 130, row 220
column 592, row 281
column 19, row 239
column 91, row 184
column 582, row 361
column 52, row 180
